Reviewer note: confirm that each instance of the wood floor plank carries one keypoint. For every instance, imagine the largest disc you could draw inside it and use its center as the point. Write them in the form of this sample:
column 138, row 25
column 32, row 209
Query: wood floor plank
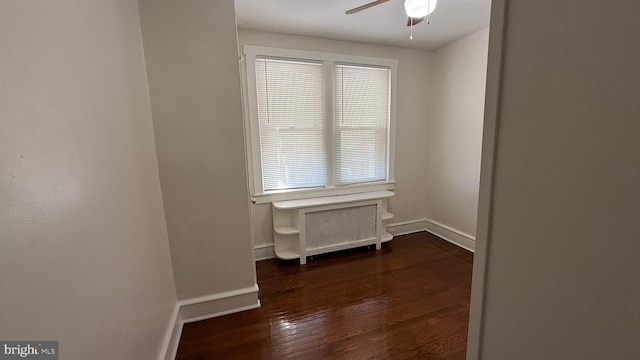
column 409, row 300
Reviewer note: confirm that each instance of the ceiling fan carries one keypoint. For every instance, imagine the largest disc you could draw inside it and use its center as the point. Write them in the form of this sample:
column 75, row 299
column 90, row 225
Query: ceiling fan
column 416, row 10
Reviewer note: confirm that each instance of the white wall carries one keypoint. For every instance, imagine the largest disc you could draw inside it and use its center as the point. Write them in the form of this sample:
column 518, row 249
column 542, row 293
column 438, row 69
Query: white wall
column 454, row 134
column 411, row 121
column 194, row 81
column 84, row 257
column 563, row 275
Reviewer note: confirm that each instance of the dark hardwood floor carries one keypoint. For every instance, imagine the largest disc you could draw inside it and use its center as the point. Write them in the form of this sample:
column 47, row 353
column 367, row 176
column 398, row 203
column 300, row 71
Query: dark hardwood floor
column 409, row 300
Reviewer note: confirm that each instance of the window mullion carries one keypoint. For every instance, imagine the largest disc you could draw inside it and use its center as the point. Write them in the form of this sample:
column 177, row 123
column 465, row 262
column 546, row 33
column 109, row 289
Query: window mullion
column 329, row 129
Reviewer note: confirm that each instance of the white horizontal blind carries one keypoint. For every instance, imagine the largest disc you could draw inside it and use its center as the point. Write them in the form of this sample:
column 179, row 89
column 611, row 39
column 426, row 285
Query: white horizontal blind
column 291, row 114
column 361, row 123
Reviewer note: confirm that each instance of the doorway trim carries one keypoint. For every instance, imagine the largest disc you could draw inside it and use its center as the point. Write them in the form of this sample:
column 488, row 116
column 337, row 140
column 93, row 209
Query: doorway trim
column 489, row 146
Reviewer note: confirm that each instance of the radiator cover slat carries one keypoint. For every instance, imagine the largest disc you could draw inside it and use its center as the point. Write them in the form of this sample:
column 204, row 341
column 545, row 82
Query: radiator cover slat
column 340, row 226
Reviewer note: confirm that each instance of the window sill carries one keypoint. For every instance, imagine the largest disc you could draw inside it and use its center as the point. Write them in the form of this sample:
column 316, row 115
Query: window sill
column 332, row 200
column 300, row 194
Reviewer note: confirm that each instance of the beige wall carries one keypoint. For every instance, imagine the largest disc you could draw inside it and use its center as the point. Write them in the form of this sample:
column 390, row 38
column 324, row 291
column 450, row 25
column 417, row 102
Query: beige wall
column 84, row 257
column 194, row 81
column 454, row 133
column 411, row 120
column 563, row 275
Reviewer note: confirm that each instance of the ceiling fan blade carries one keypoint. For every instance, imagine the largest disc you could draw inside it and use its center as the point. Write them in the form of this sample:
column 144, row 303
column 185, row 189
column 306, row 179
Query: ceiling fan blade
column 365, row 6
column 414, row 20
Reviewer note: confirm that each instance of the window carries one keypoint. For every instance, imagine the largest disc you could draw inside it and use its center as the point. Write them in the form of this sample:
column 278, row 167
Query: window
column 291, row 115
column 320, row 124
column 361, row 124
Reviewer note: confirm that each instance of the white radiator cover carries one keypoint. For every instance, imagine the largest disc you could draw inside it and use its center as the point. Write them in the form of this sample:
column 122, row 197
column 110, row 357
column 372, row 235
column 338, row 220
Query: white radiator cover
column 340, row 226
column 308, row 227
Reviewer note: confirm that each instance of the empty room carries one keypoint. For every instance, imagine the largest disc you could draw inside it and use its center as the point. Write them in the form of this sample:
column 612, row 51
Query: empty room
column 400, row 179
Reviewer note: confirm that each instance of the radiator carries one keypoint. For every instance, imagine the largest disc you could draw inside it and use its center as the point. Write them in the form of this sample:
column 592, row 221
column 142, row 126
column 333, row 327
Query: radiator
column 340, row 226
column 313, row 226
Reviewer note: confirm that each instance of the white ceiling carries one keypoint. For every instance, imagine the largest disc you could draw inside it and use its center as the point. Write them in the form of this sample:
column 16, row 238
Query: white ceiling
column 383, row 24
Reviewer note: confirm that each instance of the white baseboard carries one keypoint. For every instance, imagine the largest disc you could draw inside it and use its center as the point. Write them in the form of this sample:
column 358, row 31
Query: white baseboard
column 452, row 235
column 206, row 307
column 172, row 336
column 407, row 227
column 436, row 228
column 264, row 251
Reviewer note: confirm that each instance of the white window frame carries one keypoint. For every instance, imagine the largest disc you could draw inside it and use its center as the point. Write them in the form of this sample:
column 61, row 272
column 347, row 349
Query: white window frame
column 253, row 134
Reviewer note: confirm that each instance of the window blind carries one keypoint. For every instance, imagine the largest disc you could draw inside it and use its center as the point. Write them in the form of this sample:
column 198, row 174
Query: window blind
column 361, row 123
column 291, row 115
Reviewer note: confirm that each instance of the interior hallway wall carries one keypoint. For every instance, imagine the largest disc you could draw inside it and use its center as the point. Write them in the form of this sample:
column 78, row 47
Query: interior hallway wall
column 563, row 274
column 84, row 256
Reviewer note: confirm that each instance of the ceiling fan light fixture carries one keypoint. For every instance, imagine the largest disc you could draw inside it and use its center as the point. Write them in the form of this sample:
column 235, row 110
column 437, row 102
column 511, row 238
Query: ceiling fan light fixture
column 419, row 8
